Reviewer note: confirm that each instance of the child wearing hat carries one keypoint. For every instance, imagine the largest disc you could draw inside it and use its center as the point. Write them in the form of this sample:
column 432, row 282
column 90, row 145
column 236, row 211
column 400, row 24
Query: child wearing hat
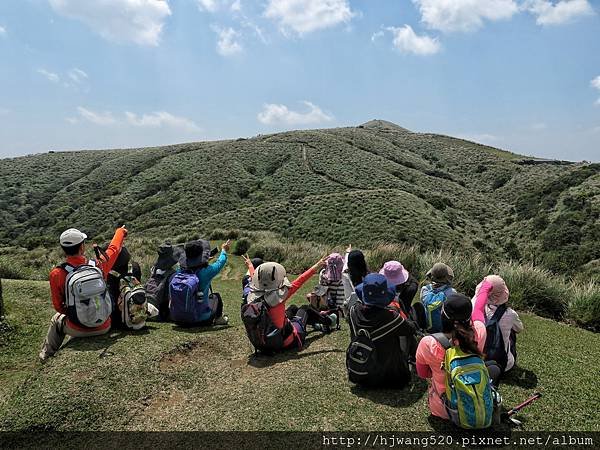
column 331, row 287
column 496, row 294
column 405, row 285
column 374, row 312
column 195, row 259
column 440, row 278
column 271, row 285
column 464, row 325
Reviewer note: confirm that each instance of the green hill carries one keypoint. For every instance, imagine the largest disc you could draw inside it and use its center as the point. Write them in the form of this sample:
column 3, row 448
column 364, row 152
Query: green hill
column 374, row 182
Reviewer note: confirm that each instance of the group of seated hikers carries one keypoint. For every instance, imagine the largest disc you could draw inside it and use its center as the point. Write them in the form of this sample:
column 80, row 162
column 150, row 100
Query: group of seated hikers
column 462, row 346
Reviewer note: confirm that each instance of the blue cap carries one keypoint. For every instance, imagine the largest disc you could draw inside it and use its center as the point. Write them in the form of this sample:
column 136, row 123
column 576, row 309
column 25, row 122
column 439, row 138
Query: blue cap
column 375, row 290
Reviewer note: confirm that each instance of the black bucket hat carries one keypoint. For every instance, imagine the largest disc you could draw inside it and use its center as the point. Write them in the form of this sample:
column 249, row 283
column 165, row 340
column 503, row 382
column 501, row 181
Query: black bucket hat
column 457, row 307
column 166, row 257
column 197, row 254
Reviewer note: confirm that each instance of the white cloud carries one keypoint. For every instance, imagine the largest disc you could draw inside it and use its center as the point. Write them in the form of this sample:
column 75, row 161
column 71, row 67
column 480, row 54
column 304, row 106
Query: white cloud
column 158, row 119
column 407, row 41
column 377, row 35
column 2, row 30
column 77, row 75
column 482, row 138
column 208, row 5
column 50, row 76
column 557, row 13
column 280, row 114
column 595, row 83
column 161, row 119
column 305, row 16
column 539, row 126
column 236, row 6
column 98, row 118
column 228, row 41
column 138, row 21
column 463, row 15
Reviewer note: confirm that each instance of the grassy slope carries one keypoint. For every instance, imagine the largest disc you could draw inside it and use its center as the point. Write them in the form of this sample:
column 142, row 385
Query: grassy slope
column 363, row 184
column 197, row 379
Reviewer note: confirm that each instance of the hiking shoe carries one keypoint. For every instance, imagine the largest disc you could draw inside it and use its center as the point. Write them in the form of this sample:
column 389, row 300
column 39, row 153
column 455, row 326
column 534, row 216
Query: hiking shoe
column 223, row 320
column 318, row 327
column 334, row 321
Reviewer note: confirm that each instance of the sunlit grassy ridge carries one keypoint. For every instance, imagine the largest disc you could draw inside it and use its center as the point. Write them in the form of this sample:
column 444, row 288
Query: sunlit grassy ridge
column 374, row 182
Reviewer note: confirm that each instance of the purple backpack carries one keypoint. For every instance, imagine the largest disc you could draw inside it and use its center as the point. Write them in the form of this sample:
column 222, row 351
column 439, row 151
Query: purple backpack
column 186, row 301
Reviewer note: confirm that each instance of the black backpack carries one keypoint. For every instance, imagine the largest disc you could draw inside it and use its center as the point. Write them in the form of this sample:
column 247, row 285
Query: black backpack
column 157, row 291
column 368, row 366
column 495, row 349
column 261, row 330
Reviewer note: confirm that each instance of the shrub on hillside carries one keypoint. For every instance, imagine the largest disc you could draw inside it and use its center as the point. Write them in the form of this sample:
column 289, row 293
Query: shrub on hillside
column 536, row 290
column 241, row 246
column 12, row 269
column 584, row 307
column 222, row 235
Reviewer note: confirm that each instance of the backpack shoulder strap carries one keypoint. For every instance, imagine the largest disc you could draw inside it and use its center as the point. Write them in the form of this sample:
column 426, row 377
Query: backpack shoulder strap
column 66, row 267
column 352, row 320
column 387, row 328
column 443, row 340
column 500, row 310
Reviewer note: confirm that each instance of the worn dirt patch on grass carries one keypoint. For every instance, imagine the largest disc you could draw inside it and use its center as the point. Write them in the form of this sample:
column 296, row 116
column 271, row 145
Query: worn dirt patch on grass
column 160, row 406
column 178, row 356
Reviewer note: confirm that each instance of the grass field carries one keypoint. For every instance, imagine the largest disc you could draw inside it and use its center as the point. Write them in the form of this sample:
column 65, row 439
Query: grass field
column 168, row 378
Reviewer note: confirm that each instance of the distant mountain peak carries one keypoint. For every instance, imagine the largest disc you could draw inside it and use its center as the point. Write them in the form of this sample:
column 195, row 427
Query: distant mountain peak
column 382, row 125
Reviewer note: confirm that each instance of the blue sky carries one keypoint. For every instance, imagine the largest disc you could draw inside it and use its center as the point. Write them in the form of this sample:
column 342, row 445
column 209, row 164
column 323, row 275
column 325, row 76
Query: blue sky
column 523, row 75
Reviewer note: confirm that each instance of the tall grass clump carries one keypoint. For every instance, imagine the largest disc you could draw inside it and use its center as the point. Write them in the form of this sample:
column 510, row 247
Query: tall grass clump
column 295, row 256
column 584, row 307
column 408, row 255
column 536, row 289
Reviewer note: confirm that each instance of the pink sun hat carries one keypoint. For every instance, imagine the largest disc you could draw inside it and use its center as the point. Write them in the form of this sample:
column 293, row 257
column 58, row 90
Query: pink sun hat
column 394, row 272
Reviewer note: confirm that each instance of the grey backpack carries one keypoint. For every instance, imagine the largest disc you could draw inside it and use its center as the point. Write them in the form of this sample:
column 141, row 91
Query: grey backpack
column 86, row 295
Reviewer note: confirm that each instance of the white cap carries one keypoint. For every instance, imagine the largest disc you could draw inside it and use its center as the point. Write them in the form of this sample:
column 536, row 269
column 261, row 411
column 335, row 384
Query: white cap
column 72, row 237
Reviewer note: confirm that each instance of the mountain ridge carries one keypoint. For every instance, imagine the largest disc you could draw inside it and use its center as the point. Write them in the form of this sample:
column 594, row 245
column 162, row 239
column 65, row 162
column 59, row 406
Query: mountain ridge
column 374, row 182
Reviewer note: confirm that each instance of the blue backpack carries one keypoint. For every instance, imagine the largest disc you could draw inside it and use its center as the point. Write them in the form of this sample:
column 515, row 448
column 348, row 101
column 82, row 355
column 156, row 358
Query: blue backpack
column 470, row 400
column 432, row 302
column 187, row 304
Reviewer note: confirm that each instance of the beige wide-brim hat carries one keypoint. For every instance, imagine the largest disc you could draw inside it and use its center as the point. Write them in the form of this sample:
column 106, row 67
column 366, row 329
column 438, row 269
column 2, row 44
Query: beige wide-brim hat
column 440, row 273
column 269, row 282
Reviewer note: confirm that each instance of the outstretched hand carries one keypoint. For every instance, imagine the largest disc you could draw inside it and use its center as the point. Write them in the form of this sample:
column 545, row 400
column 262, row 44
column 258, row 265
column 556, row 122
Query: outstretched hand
column 226, row 245
column 247, row 260
column 125, row 230
column 320, row 263
column 349, row 249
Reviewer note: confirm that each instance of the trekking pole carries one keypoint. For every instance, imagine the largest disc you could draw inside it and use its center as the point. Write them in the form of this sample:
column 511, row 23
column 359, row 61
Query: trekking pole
column 508, row 415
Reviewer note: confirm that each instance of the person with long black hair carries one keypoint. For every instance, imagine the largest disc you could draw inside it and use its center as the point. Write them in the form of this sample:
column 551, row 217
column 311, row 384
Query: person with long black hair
column 464, row 326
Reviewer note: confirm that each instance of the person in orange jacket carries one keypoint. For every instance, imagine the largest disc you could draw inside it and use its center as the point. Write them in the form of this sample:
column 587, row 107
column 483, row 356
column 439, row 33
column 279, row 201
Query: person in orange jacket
column 73, row 243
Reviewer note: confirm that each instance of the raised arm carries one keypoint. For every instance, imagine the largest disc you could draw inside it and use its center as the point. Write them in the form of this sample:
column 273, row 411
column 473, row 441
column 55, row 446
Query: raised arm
column 298, row 282
column 213, row 269
column 113, row 250
column 480, row 302
column 348, row 250
column 249, row 265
